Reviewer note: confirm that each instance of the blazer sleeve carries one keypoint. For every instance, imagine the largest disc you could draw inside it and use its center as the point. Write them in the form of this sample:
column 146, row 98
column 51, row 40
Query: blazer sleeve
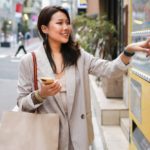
column 103, row 68
column 25, row 84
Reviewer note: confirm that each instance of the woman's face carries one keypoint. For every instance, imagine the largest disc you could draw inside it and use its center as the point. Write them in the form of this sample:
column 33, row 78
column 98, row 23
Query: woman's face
column 59, row 28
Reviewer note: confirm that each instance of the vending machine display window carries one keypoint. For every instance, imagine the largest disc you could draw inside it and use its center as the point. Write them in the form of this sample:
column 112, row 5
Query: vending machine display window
column 140, row 32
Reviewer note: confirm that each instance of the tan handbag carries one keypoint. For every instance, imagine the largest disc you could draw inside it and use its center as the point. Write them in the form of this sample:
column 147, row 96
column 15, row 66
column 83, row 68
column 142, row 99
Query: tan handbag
column 29, row 131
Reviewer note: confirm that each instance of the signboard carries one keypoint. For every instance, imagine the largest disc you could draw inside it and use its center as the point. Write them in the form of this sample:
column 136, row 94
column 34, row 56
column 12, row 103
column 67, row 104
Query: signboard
column 19, row 8
column 82, row 4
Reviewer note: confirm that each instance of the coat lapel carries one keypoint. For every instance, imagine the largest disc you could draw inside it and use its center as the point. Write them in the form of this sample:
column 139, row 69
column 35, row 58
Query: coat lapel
column 44, row 69
column 70, row 87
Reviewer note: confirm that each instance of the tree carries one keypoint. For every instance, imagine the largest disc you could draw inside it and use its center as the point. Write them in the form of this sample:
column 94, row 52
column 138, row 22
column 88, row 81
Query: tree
column 97, row 35
column 6, row 28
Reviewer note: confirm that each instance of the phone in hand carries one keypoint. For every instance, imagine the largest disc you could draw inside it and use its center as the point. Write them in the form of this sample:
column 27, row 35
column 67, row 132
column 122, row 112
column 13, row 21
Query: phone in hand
column 47, row 80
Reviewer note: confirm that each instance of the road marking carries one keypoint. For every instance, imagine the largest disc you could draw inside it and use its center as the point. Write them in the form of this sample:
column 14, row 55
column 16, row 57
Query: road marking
column 15, row 60
column 3, row 56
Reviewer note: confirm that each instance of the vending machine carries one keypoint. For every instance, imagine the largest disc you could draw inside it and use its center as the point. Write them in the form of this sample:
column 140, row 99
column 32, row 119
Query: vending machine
column 139, row 79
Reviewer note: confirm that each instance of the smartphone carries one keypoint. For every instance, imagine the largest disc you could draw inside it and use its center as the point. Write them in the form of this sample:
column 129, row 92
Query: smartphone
column 47, row 80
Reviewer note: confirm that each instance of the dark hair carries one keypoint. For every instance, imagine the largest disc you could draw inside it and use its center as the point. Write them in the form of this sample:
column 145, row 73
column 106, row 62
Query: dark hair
column 70, row 51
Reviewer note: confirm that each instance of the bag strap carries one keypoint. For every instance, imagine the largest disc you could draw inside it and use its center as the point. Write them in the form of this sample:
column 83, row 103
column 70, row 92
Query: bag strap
column 35, row 70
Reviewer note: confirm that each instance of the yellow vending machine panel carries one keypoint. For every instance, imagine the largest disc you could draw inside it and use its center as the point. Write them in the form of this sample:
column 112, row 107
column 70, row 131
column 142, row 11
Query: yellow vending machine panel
column 139, row 112
column 139, row 84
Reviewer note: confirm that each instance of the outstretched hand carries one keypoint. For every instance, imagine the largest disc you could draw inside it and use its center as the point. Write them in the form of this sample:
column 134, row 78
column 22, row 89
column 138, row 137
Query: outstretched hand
column 143, row 46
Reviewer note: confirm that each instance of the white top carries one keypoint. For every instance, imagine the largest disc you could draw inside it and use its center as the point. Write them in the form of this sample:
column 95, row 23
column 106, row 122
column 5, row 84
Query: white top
column 63, row 91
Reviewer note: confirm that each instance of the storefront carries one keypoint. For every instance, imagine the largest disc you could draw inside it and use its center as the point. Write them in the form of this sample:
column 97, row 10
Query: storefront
column 114, row 10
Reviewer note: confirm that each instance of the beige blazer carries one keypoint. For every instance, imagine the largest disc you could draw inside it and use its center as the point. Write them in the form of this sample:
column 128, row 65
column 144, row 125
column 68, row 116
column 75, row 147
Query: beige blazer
column 79, row 118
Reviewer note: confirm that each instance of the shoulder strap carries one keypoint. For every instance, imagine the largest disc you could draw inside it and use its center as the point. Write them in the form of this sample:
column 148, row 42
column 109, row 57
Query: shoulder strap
column 35, row 71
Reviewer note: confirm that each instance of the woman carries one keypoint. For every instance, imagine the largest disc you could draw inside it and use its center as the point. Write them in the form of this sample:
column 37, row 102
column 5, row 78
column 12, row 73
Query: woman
column 69, row 95
column 21, row 44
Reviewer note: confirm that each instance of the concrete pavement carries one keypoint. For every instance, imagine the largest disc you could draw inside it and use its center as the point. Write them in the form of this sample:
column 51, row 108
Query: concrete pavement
column 30, row 45
column 109, row 114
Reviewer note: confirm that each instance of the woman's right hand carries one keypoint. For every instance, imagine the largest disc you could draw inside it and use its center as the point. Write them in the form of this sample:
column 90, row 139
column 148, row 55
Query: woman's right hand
column 50, row 89
column 143, row 46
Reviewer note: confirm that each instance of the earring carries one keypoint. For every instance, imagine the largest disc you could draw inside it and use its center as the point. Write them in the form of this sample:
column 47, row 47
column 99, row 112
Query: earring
column 46, row 37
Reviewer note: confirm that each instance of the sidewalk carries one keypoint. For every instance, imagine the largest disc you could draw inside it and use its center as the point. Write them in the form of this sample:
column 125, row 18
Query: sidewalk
column 30, row 45
column 107, row 120
column 98, row 141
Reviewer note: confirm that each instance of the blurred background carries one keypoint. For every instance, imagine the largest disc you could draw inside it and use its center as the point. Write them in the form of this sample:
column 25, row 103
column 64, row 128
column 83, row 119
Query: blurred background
column 21, row 16
column 103, row 28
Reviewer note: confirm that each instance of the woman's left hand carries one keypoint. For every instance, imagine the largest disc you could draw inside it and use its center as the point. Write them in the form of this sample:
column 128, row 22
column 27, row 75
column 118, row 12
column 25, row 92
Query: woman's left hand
column 143, row 46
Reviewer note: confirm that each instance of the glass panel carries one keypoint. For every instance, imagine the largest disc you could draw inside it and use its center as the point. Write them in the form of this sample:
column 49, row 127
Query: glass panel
column 135, row 99
column 139, row 139
column 140, row 32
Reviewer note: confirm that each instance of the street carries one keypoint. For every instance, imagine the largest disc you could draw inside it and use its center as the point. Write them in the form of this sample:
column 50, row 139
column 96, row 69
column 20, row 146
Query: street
column 9, row 75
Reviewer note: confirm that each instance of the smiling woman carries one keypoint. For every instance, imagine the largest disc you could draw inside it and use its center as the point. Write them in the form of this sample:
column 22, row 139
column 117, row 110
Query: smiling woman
column 56, row 30
column 60, row 59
